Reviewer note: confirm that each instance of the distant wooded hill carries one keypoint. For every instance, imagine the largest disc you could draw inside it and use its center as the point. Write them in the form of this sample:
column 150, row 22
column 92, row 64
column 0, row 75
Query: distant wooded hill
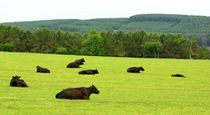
column 160, row 23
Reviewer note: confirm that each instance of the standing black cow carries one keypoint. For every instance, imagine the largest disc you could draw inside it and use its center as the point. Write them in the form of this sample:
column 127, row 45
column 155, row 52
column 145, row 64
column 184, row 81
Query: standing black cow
column 42, row 70
column 135, row 69
column 89, row 71
column 72, row 65
column 17, row 82
column 80, row 61
column 177, row 75
column 77, row 93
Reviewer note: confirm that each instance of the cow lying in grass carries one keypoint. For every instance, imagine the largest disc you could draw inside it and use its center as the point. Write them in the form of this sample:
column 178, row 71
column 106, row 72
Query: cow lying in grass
column 177, row 75
column 76, row 63
column 89, row 72
column 17, row 82
column 77, row 93
column 80, row 61
column 135, row 69
column 72, row 65
column 42, row 70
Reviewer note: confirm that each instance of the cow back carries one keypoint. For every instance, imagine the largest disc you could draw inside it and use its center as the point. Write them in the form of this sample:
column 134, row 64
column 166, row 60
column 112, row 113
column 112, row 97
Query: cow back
column 72, row 93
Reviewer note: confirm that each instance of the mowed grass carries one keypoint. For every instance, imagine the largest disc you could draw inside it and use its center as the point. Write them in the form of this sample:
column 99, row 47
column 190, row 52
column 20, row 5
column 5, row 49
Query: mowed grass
column 153, row 91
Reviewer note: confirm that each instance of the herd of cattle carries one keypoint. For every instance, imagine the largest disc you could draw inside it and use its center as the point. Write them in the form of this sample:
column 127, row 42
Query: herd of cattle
column 75, row 93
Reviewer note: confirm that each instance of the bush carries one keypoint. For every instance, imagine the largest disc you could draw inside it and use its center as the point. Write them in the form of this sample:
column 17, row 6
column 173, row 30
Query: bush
column 6, row 47
column 74, row 51
column 61, row 50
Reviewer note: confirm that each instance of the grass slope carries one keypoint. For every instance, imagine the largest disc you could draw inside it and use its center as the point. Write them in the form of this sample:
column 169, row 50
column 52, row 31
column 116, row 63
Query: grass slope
column 150, row 92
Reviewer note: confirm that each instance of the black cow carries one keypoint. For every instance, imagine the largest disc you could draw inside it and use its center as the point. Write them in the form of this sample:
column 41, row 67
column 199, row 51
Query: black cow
column 42, row 70
column 77, row 93
column 17, row 82
column 72, row 65
column 177, row 75
column 135, row 69
column 80, row 61
column 89, row 71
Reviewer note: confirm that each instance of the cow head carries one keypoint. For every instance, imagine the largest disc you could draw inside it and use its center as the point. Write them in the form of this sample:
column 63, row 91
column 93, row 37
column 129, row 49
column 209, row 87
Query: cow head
column 82, row 60
column 94, row 90
column 96, row 71
column 16, row 77
column 141, row 68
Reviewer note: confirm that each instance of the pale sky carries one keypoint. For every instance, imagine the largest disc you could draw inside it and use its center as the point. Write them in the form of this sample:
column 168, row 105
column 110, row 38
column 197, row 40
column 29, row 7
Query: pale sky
column 29, row 10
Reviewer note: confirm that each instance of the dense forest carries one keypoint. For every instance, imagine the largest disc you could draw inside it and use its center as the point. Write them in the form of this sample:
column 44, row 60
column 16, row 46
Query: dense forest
column 188, row 26
column 101, row 43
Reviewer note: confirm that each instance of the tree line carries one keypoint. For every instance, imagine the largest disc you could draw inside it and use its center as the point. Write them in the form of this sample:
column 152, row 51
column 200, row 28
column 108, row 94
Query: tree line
column 104, row 43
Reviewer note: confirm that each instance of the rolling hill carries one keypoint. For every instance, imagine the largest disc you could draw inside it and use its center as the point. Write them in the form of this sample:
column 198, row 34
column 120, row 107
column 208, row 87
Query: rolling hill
column 160, row 23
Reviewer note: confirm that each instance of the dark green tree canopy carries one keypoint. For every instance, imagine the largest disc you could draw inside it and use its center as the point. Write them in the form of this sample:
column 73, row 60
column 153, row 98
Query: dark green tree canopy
column 93, row 45
column 105, row 43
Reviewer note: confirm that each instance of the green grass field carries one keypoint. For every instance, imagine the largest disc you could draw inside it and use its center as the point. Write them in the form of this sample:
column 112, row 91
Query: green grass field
column 152, row 92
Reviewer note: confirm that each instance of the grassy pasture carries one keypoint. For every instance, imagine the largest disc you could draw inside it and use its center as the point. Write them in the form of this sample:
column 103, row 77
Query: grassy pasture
column 150, row 92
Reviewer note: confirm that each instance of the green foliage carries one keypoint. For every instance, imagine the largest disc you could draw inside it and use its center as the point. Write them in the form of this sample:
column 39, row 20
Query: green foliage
column 111, row 43
column 152, row 92
column 74, row 51
column 61, row 50
column 152, row 49
column 6, row 47
column 42, row 41
column 188, row 26
column 93, row 45
column 202, row 53
column 156, row 18
column 161, row 23
column 24, row 42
